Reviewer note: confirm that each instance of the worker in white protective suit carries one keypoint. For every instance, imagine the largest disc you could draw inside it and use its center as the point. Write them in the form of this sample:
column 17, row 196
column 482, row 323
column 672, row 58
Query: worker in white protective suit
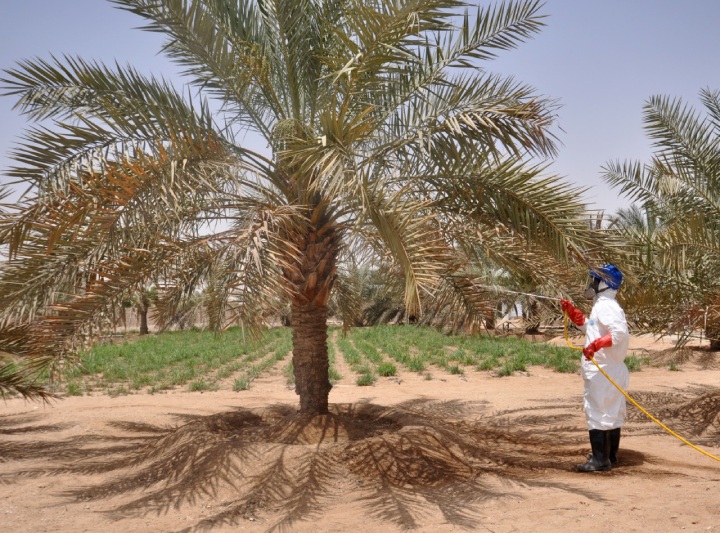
column 606, row 340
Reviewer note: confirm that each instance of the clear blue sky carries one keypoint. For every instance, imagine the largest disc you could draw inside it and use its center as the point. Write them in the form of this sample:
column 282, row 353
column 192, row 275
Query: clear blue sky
column 601, row 58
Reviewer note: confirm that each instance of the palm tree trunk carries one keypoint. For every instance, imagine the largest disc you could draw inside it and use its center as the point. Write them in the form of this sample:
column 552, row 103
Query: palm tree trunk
column 310, row 358
column 532, row 326
column 489, row 319
column 311, row 276
column 143, row 307
column 143, row 312
column 712, row 333
column 712, row 328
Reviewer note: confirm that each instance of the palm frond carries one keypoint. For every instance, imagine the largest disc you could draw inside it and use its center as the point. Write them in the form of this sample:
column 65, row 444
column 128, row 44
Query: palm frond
column 676, row 250
column 102, row 115
column 15, row 380
column 410, row 234
column 679, row 131
column 542, row 209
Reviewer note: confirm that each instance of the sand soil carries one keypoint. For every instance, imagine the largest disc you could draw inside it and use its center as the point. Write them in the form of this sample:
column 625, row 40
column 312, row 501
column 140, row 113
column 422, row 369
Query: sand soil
column 455, row 453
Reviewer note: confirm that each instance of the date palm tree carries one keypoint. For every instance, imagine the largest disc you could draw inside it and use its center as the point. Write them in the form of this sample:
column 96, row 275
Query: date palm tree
column 675, row 230
column 381, row 139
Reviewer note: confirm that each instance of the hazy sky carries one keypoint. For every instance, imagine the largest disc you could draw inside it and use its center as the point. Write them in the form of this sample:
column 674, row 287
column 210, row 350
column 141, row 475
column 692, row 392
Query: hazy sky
column 602, row 59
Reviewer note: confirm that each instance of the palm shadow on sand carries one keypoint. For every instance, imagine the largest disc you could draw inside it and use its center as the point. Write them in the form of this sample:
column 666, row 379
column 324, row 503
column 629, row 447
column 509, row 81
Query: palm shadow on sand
column 397, row 462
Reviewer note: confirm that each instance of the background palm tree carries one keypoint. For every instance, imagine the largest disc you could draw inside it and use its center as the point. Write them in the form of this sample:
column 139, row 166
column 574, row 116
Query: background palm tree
column 386, row 143
column 675, row 229
column 141, row 301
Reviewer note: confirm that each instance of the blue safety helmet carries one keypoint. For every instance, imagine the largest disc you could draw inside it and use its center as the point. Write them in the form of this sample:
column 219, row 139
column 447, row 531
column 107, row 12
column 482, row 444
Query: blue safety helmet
column 609, row 274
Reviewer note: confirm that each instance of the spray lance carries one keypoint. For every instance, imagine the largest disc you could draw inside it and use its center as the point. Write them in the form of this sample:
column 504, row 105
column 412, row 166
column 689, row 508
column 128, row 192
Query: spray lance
column 500, row 289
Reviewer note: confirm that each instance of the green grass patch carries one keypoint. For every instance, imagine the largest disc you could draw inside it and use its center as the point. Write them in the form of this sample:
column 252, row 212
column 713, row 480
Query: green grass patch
column 386, row 369
column 416, row 364
column 333, row 375
column 455, row 370
column 635, row 363
column 201, row 385
column 365, row 379
column 73, row 389
column 242, row 383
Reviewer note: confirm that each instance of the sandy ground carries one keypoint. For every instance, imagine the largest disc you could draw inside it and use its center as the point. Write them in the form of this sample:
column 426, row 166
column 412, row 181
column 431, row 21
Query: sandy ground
column 456, row 453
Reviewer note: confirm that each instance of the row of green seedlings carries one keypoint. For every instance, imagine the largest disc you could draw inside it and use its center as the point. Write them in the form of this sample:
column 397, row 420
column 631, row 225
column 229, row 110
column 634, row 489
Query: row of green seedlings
column 168, row 360
column 253, row 364
column 364, row 359
column 418, row 348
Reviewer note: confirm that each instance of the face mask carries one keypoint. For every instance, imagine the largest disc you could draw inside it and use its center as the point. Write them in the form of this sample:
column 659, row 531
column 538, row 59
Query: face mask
column 593, row 289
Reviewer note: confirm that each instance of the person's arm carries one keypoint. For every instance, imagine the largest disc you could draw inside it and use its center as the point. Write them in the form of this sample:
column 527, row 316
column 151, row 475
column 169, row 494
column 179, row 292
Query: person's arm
column 596, row 345
column 574, row 314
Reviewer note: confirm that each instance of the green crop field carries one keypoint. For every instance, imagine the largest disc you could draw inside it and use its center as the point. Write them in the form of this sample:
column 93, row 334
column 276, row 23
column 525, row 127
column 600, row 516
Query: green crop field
column 202, row 360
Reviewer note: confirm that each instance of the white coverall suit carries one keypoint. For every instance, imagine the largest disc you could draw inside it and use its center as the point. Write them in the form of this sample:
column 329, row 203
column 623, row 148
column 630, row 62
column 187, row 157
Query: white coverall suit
column 605, row 406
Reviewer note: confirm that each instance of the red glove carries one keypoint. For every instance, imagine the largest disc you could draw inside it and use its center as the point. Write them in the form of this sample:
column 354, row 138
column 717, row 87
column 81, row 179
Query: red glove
column 572, row 312
column 597, row 344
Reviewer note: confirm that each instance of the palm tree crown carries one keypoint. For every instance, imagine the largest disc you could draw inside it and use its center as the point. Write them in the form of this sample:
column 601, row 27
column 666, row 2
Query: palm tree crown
column 386, row 142
column 677, row 243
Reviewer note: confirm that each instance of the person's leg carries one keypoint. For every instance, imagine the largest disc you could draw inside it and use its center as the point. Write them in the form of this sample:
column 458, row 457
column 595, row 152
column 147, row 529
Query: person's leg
column 600, row 445
column 614, row 446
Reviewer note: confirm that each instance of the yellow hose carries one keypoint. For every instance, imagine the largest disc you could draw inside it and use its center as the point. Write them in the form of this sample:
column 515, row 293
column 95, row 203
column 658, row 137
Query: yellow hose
column 630, row 399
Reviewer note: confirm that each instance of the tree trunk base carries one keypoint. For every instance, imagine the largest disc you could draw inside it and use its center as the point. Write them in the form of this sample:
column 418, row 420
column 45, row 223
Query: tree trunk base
column 310, row 358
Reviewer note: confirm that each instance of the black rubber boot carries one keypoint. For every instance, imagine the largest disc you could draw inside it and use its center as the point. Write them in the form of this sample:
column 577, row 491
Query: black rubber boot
column 600, row 444
column 614, row 445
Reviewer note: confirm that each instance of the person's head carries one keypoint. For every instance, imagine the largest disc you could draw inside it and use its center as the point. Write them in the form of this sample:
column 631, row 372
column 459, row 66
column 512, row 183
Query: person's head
column 603, row 278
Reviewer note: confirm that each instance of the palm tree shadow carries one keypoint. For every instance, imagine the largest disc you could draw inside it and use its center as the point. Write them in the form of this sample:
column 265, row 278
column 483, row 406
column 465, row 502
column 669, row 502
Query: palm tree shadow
column 693, row 412
column 397, row 462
